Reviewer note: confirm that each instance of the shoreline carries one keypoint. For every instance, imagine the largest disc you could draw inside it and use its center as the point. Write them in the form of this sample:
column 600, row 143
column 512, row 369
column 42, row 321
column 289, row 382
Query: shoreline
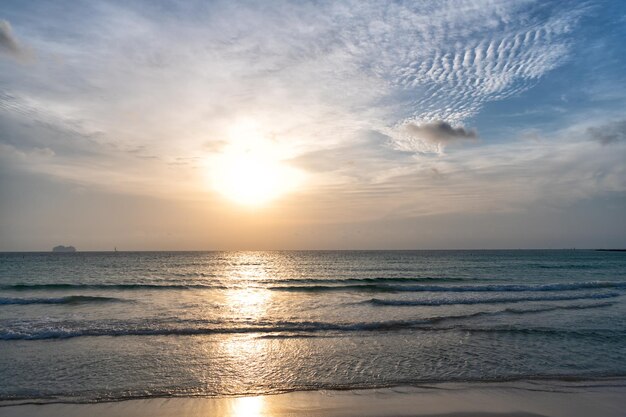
column 561, row 381
column 529, row 398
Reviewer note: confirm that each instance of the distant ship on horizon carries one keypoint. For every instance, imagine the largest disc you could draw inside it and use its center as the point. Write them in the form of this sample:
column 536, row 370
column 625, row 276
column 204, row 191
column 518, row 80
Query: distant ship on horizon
column 62, row 248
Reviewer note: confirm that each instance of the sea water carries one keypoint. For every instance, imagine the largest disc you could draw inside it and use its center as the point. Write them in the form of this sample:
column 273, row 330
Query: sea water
column 112, row 326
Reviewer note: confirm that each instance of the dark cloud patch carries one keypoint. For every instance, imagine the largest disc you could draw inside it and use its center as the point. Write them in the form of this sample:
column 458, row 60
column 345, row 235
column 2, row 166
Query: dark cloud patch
column 440, row 132
column 9, row 44
column 610, row 133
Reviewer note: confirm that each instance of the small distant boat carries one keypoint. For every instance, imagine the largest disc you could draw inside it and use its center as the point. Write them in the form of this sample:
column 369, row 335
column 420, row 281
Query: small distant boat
column 64, row 249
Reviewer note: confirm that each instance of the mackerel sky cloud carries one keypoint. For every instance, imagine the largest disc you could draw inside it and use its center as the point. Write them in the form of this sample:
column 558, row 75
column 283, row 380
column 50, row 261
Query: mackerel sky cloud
column 406, row 120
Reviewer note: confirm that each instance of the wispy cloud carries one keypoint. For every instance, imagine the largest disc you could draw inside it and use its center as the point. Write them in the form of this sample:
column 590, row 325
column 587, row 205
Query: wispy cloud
column 364, row 95
column 546, row 173
column 609, row 133
column 9, row 44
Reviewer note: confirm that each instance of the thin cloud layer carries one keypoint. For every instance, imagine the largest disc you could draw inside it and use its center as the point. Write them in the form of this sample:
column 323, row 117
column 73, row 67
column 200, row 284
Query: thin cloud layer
column 610, row 133
column 9, row 44
column 311, row 76
column 370, row 99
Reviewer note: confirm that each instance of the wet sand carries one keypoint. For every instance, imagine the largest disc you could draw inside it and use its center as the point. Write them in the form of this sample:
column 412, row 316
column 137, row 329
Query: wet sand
column 606, row 398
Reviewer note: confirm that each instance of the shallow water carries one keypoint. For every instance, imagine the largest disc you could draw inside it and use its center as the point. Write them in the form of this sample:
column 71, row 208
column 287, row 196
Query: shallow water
column 108, row 326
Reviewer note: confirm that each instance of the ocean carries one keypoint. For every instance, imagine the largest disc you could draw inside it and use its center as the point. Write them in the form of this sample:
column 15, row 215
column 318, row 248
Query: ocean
column 90, row 327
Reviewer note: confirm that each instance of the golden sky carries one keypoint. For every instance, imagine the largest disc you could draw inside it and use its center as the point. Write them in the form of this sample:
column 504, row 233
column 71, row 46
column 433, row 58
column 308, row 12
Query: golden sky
column 313, row 125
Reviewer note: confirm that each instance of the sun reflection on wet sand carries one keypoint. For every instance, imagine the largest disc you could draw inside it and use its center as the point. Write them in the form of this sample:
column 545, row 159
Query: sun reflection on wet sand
column 248, row 407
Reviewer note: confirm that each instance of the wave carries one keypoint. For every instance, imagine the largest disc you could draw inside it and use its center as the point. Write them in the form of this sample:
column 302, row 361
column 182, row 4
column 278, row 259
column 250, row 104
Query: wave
column 72, row 299
column 270, row 329
column 594, row 334
column 44, row 287
column 554, row 308
column 352, row 284
column 274, row 328
column 518, row 311
column 567, row 266
column 456, row 288
column 547, row 382
column 398, row 280
column 490, row 300
column 220, row 284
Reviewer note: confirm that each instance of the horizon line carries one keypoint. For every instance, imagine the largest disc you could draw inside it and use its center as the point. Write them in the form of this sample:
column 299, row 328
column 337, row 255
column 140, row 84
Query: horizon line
column 318, row 250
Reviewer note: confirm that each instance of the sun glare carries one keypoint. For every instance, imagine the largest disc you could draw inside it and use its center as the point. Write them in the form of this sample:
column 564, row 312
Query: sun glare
column 250, row 169
column 248, row 407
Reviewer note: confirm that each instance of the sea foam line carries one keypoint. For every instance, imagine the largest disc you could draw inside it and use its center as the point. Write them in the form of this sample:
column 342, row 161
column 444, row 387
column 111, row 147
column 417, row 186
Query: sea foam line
column 363, row 285
column 490, row 300
column 457, row 288
column 222, row 284
column 71, row 299
column 269, row 328
column 45, row 287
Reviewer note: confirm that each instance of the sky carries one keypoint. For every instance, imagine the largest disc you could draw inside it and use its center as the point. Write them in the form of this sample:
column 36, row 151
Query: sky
column 243, row 125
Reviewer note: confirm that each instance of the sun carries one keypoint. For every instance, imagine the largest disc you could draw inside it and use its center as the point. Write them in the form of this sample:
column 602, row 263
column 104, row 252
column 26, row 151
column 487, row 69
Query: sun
column 250, row 178
column 250, row 170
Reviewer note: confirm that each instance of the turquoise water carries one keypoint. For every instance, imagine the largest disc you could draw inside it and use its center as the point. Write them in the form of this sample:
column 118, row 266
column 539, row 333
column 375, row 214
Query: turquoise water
column 111, row 326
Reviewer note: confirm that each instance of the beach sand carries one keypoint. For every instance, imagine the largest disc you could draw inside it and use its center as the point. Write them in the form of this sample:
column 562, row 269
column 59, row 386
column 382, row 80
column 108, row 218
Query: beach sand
column 605, row 398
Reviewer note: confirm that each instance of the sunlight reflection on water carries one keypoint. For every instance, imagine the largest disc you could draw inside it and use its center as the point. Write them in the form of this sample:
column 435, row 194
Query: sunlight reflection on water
column 254, row 323
column 247, row 355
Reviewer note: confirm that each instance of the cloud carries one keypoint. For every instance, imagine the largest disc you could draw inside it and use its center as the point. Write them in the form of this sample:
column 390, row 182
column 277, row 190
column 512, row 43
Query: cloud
column 608, row 134
column 9, row 44
column 440, row 132
column 429, row 137
column 394, row 63
column 313, row 76
column 445, row 62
